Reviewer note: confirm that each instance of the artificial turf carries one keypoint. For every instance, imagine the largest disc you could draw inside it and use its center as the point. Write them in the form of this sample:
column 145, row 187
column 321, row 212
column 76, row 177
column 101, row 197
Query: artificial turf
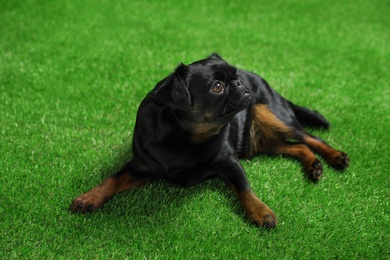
column 72, row 74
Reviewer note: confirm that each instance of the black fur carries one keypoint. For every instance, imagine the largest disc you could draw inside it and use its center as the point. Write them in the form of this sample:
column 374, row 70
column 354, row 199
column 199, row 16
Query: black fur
column 196, row 124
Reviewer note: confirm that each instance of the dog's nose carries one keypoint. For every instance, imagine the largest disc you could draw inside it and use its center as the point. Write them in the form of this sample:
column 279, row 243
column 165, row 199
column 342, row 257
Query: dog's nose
column 247, row 94
column 236, row 83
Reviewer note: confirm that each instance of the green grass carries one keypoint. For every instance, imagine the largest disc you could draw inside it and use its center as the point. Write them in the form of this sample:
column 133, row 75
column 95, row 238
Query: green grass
column 72, row 74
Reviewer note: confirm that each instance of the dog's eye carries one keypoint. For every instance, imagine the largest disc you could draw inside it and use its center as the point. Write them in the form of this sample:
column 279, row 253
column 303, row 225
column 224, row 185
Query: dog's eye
column 218, row 87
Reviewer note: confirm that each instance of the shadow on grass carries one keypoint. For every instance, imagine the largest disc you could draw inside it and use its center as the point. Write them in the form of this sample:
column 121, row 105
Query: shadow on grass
column 160, row 202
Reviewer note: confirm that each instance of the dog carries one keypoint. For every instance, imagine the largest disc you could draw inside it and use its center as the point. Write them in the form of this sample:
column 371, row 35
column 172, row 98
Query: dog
column 200, row 120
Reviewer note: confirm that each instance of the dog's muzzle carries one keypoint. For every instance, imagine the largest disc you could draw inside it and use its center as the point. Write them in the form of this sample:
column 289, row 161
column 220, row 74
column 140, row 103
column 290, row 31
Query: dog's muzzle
column 239, row 98
column 240, row 95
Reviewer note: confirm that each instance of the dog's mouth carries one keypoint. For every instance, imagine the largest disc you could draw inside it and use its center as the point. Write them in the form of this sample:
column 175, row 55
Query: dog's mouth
column 234, row 106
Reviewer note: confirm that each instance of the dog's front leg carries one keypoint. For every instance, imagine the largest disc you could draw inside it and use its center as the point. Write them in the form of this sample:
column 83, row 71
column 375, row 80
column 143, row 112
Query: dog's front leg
column 96, row 197
column 256, row 210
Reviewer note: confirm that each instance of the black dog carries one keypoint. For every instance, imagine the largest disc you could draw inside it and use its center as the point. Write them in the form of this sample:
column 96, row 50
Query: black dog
column 196, row 124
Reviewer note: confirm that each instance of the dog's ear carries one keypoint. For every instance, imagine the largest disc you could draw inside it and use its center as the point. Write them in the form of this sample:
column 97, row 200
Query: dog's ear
column 215, row 56
column 173, row 90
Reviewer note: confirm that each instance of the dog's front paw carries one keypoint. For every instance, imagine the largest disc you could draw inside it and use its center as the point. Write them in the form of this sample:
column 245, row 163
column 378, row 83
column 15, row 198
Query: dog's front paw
column 340, row 161
column 257, row 211
column 263, row 217
column 86, row 203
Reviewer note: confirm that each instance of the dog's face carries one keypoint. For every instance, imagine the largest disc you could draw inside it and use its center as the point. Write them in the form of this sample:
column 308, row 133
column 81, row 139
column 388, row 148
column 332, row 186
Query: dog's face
column 204, row 96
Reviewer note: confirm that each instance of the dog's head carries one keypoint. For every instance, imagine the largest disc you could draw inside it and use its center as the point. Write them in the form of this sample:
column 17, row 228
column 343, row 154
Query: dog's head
column 204, row 95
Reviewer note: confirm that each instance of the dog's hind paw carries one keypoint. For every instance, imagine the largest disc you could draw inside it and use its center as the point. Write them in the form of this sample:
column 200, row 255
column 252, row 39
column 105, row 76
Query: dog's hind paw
column 315, row 170
column 341, row 161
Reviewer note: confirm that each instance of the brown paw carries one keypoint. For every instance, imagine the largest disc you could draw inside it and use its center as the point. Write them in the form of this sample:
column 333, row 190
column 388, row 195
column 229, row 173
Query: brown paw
column 315, row 170
column 257, row 211
column 86, row 203
column 264, row 217
column 340, row 161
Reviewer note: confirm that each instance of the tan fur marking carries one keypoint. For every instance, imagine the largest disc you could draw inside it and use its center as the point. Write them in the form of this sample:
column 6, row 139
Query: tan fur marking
column 334, row 157
column 204, row 131
column 266, row 130
column 97, row 196
column 256, row 210
column 322, row 148
column 203, row 127
column 300, row 151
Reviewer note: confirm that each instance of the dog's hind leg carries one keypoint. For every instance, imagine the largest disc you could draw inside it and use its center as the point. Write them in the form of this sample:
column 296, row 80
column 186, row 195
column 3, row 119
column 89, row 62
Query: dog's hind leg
column 269, row 134
column 96, row 197
column 305, row 116
column 308, row 117
column 337, row 159
column 312, row 165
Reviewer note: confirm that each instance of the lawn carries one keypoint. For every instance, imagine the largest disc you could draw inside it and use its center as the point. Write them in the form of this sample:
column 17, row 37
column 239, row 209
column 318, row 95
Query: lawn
column 73, row 73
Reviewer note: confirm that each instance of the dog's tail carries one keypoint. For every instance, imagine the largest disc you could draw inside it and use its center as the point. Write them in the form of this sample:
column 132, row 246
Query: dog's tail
column 308, row 117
